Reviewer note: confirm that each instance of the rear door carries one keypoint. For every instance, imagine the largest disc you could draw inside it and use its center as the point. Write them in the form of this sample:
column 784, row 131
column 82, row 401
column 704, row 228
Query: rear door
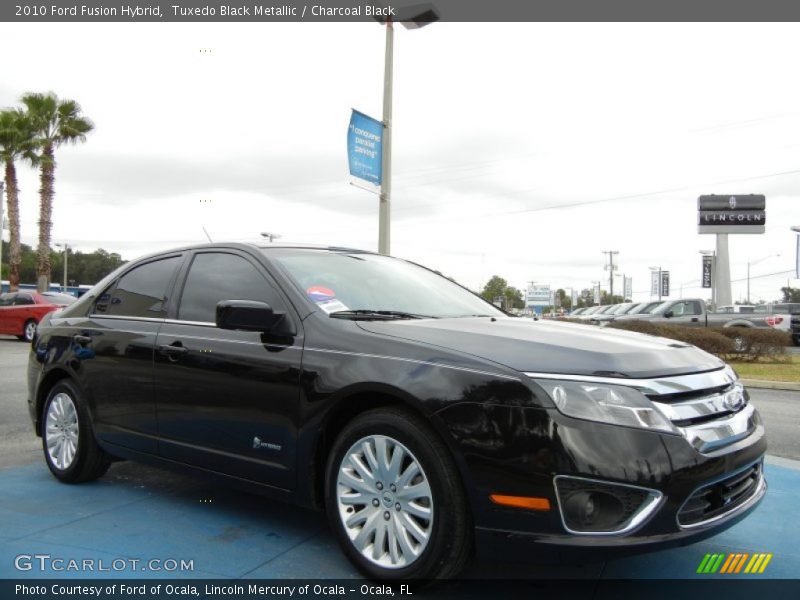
column 7, row 321
column 228, row 400
column 113, row 352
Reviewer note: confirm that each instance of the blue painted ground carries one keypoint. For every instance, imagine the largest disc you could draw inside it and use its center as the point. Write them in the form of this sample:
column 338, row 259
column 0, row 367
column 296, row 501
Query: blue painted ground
column 137, row 512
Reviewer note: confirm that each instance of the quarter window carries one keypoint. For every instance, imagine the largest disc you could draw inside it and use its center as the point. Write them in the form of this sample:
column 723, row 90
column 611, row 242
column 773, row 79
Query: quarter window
column 141, row 292
column 217, row 276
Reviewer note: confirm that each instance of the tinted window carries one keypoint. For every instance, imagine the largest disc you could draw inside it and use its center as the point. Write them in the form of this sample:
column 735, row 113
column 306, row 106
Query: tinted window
column 23, row 300
column 218, row 276
column 7, row 299
column 141, row 292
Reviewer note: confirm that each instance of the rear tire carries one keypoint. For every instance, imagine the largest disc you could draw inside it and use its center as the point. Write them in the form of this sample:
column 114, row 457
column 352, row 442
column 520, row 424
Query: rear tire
column 70, row 448
column 394, row 498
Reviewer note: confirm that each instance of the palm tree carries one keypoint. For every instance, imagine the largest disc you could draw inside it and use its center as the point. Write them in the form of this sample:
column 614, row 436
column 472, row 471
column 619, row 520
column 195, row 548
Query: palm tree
column 55, row 122
column 16, row 142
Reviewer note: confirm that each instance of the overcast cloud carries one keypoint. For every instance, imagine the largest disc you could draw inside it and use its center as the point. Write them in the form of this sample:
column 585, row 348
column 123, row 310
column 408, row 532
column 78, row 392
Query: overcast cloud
column 522, row 150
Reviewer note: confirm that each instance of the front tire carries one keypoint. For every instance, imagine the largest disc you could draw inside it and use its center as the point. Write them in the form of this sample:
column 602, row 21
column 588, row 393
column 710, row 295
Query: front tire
column 70, row 448
column 394, row 498
column 28, row 331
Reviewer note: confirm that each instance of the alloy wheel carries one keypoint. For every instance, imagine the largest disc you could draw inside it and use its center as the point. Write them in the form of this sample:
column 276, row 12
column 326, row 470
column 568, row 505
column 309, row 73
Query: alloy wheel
column 385, row 501
column 61, row 431
column 30, row 330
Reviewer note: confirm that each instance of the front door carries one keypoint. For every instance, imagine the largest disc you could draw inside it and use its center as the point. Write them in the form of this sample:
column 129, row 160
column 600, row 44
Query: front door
column 228, row 400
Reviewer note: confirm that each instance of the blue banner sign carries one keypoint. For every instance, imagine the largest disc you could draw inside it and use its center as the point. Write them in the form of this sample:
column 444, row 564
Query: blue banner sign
column 364, row 147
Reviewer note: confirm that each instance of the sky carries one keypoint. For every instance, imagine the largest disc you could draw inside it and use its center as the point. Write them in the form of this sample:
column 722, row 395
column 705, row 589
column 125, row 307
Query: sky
column 519, row 149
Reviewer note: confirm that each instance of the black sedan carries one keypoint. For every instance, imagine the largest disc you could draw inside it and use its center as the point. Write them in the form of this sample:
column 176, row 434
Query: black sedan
column 424, row 420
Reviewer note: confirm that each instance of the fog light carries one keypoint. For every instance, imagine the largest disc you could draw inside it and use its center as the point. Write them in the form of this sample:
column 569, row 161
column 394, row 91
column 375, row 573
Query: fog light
column 596, row 507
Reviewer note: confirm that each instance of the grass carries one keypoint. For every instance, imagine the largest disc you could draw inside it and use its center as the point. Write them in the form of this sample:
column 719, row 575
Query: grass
column 786, row 370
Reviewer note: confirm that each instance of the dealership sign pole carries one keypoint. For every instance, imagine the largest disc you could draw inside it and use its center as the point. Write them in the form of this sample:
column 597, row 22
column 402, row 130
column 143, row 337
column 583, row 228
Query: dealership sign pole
column 724, row 214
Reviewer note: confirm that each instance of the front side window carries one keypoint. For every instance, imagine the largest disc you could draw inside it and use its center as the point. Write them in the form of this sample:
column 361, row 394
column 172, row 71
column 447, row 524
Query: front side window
column 23, row 300
column 141, row 292
column 217, row 276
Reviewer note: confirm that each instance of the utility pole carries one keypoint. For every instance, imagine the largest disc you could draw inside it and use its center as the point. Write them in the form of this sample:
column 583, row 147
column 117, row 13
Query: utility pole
column 610, row 267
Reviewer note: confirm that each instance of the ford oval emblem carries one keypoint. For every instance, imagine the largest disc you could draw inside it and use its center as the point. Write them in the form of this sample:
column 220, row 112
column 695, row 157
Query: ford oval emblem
column 733, row 400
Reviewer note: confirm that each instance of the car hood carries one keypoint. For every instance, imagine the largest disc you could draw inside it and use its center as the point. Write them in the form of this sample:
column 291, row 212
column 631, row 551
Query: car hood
column 553, row 347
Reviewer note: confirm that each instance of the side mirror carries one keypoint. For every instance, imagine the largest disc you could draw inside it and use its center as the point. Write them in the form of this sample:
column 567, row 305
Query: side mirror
column 252, row 315
column 669, row 314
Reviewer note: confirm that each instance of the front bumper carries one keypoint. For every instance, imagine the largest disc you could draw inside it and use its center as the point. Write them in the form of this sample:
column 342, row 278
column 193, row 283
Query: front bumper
column 518, row 451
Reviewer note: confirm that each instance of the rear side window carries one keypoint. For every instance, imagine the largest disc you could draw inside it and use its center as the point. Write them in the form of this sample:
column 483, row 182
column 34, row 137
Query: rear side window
column 141, row 292
column 216, row 276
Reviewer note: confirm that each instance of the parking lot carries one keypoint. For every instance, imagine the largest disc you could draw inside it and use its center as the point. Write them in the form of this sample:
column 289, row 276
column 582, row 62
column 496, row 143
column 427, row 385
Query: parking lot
column 138, row 513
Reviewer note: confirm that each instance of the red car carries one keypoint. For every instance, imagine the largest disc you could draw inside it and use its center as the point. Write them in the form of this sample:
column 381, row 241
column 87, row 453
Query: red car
column 20, row 312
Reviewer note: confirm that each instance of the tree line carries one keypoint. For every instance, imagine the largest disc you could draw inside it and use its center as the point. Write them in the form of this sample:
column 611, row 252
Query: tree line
column 30, row 135
column 82, row 267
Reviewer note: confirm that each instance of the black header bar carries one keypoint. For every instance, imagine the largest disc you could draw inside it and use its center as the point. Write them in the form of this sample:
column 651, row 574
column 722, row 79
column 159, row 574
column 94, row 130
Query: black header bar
column 369, row 10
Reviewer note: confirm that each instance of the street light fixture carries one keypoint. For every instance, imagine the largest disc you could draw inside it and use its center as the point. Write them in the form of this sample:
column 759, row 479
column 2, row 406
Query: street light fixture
column 270, row 236
column 755, row 262
column 66, row 248
column 412, row 17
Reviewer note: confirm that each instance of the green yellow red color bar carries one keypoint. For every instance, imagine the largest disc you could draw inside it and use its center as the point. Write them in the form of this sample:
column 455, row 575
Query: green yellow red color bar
column 734, row 563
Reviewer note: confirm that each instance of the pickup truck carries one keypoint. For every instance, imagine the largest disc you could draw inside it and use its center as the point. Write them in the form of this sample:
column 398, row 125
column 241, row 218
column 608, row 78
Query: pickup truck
column 692, row 312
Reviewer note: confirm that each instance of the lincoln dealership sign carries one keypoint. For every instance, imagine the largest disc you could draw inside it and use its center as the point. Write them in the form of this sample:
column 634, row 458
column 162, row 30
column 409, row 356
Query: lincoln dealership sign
column 731, row 214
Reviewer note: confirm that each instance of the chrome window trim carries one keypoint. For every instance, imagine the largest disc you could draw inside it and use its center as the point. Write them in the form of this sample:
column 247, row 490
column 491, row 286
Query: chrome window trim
column 761, row 489
column 637, row 519
column 657, row 385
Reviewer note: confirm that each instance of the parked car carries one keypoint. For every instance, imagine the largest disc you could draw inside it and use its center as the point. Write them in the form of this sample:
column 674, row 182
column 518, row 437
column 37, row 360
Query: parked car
column 692, row 312
column 20, row 312
column 421, row 418
column 795, row 328
column 576, row 312
column 612, row 313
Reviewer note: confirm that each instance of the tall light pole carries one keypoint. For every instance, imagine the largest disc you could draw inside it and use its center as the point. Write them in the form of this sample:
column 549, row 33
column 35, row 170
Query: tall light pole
column 412, row 17
column 755, row 262
column 796, row 229
column 66, row 253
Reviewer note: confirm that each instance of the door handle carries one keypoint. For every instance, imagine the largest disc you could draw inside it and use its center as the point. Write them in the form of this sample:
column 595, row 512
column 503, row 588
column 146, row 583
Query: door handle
column 82, row 339
column 694, row 319
column 173, row 350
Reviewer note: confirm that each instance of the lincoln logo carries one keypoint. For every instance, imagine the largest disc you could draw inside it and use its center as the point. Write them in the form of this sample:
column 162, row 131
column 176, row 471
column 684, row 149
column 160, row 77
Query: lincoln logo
column 733, row 202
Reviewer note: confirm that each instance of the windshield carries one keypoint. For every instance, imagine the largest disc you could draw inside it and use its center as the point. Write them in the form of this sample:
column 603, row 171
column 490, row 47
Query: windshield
column 338, row 281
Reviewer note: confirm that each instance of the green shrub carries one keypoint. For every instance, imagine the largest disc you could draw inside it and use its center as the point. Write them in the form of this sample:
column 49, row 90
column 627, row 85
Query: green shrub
column 729, row 343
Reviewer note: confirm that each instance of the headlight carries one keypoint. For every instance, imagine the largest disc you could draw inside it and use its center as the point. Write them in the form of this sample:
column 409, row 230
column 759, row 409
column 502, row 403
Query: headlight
column 605, row 403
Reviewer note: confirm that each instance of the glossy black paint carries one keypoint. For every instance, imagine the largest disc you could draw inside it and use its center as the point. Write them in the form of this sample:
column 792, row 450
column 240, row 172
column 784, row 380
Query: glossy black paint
column 260, row 409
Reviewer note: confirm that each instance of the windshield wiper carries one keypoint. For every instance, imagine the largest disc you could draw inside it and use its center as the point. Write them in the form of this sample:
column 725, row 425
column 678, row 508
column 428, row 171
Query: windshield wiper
column 364, row 313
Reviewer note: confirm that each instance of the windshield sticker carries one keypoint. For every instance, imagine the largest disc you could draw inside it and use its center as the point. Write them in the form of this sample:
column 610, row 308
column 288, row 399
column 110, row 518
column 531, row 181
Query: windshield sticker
column 325, row 298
